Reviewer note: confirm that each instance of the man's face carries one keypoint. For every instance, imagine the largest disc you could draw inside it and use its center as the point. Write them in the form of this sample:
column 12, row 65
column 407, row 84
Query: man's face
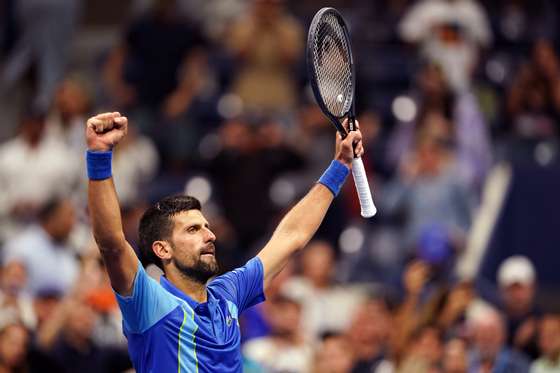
column 518, row 298
column 192, row 241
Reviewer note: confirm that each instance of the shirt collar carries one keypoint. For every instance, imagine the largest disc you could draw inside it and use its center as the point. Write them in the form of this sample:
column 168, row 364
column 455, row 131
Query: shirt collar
column 167, row 285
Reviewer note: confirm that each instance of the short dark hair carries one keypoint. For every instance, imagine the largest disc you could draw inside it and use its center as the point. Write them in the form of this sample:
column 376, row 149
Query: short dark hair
column 49, row 208
column 157, row 224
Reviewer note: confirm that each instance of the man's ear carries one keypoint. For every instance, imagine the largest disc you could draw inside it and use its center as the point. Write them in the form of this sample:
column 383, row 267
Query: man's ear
column 162, row 249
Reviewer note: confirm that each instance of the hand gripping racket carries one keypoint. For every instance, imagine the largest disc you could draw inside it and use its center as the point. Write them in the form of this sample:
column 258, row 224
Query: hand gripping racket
column 331, row 74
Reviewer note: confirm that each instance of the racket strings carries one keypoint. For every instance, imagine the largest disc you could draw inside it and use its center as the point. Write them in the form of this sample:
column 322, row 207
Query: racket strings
column 331, row 59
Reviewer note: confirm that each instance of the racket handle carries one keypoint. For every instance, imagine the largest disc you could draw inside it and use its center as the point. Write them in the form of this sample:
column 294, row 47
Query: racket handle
column 362, row 187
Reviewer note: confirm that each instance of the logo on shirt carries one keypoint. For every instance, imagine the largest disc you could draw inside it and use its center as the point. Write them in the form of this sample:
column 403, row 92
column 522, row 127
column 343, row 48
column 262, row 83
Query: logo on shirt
column 229, row 320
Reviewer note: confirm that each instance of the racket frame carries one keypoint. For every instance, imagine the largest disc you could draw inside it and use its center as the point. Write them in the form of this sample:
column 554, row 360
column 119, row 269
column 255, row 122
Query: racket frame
column 335, row 120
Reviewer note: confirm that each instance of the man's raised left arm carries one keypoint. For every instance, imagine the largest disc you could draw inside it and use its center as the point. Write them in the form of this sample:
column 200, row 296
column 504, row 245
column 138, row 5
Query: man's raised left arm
column 302, row 221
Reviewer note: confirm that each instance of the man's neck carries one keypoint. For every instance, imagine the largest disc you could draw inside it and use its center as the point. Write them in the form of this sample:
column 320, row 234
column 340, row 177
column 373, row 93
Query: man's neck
column 193, row 289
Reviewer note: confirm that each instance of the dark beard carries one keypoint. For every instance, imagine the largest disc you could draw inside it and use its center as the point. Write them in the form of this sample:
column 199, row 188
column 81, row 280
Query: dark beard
column 201, row 272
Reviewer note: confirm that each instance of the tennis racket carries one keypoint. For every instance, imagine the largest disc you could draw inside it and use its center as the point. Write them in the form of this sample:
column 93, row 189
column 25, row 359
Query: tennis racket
column 331, row 74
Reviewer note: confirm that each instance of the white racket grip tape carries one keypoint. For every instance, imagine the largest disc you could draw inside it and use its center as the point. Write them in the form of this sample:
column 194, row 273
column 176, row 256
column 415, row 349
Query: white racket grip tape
column 362, row 187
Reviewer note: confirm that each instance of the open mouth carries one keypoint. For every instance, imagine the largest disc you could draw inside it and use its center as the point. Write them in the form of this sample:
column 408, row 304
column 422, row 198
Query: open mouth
column 208, row 250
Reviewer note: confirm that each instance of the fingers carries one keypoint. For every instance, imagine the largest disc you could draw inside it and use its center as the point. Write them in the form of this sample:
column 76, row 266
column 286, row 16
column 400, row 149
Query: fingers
column 346, row 125
column 354, row 140
column 107, row 121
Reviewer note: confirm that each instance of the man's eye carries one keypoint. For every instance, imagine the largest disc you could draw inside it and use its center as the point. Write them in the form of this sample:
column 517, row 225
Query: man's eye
column 192, row 229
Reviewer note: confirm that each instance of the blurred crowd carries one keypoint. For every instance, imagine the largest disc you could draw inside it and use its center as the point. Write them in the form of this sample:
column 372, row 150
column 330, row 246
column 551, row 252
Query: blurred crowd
column 216, row 92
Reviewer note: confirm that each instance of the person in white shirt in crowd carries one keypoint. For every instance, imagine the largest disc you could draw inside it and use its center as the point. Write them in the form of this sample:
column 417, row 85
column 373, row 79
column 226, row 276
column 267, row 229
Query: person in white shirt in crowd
column 33, row 170
column 549, row 344
column 43, row 251
column 449, row 33
column 135, row 162
column 517, row 281
column 285, row 349
column 318, row 292
column 489, row 352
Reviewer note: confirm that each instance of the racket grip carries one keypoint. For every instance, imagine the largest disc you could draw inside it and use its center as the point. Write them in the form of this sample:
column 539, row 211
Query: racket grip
column 362, row 187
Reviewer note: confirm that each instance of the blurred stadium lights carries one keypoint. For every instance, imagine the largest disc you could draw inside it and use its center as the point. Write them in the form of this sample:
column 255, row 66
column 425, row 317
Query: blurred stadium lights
column 351, row 239
column 404, row 108
column 282, row 192
column 496, row 70
column 210, row 145
column 200, row 188
column 545, row 153
column 230, row 106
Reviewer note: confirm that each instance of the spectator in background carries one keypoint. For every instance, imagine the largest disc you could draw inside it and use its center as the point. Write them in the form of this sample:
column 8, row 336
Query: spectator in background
column 549, row 344
column 318, row 292
column 267, row 43
column 533, row 101
column 33, row 170
column 152, row 68
column 46, row 29
column 65, row 341
column 522, row 21
column 430, row 189
column 468, row 131
column 135, row 163
column 489, row 352
column 334, row 355
column 455, row 356
column 517, row 282
column 156, row 74
column 425, row 351
column 450, row 34
column 43, row 251
column 72, row 103
column 14, row 340
column 285, row 349
column 369, row 334
column 262, row 148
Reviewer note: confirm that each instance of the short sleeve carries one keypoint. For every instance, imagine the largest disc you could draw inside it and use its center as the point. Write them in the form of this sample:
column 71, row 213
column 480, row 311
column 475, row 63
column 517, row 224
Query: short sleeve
column 147, row 304
column 242, row 286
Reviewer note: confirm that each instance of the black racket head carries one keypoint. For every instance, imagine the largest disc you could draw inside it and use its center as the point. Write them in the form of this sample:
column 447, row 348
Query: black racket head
column 331, row 66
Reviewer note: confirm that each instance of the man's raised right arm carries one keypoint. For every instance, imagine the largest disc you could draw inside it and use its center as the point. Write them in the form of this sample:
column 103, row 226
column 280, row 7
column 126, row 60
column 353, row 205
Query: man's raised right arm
column 103, row 132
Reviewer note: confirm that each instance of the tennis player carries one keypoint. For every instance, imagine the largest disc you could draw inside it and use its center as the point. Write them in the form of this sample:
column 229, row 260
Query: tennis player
column 189, row 321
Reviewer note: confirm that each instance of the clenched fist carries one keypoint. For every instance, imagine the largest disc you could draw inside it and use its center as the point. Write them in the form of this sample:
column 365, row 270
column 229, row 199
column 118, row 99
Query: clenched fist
column 106, row 130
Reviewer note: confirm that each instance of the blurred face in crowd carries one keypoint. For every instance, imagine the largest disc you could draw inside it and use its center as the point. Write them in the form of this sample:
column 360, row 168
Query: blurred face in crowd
column 44, row 307
column 32, row 130
column 334, row 356
column 236, row 135
column 285, row 318
column 545, row 57
column 455, row 356
column 432, row 82
column 489, row 335
column 80, row 322
column 428, row 345
column 71, row 99
column 318, row 262
column 370, row 327
column 61, row 222
column 268, row 11
column 549, row 337
column 518, row 298
column 13, row 345
column 14, row 278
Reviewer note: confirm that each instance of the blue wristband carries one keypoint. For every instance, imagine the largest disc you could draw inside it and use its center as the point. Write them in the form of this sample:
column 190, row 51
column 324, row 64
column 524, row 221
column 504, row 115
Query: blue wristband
column 99, row 164
column 334, row 176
